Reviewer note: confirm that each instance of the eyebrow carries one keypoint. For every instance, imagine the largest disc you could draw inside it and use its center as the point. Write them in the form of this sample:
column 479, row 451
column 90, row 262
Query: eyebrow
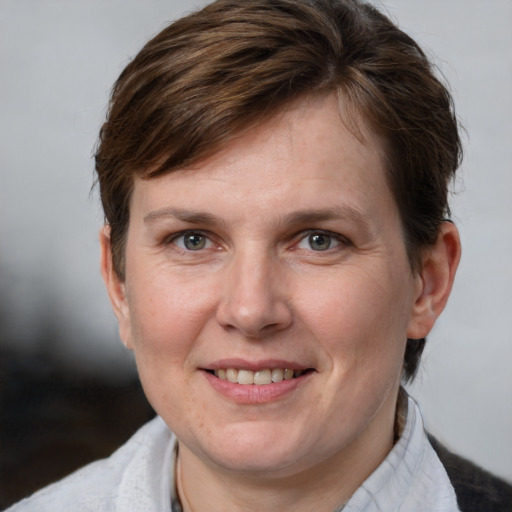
column 324, row 214
column 299, row 217
column 190, row 216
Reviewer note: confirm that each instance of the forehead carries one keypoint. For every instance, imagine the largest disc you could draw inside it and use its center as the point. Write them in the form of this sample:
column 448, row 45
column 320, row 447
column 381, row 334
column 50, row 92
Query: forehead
column 305, row 154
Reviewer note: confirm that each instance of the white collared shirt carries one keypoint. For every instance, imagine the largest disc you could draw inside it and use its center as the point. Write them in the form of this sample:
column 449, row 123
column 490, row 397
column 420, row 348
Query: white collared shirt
column 140, row 477
column 410, row 479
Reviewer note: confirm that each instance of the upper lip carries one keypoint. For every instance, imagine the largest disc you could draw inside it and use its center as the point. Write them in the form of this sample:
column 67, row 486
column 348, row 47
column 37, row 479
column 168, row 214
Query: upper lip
column 262, row 364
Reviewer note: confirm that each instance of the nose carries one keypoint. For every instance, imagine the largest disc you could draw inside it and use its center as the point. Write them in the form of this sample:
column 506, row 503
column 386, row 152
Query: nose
column 254, row 299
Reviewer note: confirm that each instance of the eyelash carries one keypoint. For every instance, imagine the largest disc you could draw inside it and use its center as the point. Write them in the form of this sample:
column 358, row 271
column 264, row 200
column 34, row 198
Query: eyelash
column 340, row 240
column 182, row 234
column 302, row 236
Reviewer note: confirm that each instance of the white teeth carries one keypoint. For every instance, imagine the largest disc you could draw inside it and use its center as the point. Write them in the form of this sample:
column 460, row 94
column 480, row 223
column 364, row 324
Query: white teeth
column 220, row 373
column 259, row 378
column 277, row 375
column 262, row 377
column 288, row 374
column 231, row 375
column 245, row 377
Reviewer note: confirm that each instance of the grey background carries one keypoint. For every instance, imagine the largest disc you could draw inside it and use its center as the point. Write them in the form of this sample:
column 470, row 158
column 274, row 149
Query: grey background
column 58, row 59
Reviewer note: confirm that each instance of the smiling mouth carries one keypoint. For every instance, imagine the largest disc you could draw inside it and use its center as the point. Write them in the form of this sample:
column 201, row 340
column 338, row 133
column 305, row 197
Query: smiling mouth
column 258, row 378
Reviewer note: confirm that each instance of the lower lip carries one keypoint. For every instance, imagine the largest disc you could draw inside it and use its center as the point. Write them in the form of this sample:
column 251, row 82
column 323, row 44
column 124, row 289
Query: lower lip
column 252, row 393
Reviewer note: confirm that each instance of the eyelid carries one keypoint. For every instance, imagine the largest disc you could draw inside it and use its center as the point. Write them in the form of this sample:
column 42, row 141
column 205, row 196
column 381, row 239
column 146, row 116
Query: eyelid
column 337, row 237
column 171, row 239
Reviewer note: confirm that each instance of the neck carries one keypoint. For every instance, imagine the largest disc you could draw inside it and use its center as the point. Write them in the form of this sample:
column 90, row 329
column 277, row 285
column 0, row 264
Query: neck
column 325, row 486
column 225, row 492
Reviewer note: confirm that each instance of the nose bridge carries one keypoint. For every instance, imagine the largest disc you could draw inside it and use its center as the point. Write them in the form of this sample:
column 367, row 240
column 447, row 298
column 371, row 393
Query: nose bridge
column 254, row 300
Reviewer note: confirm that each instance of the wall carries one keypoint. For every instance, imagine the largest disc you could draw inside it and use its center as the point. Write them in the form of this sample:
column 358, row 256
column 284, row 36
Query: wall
column 58, row 60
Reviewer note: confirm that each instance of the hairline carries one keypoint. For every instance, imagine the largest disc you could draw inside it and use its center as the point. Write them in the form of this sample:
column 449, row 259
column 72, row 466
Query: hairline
column 350, row 114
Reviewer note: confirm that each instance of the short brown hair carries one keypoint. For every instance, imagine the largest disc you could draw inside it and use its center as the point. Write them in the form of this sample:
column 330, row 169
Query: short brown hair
column 218, row 71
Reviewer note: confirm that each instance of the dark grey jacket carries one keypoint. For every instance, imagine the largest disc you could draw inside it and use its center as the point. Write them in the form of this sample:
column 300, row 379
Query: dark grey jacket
column 476, row 489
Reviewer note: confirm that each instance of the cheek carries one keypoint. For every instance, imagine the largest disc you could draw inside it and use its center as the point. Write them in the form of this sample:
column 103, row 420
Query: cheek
column 361, row 318
column 167, row 310
column 167, row 314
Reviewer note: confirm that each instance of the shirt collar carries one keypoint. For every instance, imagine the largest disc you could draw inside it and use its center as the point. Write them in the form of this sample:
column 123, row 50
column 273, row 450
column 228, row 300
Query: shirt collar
column 411, row 477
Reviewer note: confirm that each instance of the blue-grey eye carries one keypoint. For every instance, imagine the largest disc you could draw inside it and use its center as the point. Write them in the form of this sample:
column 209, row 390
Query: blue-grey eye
column 319, row 241
column 192, row 241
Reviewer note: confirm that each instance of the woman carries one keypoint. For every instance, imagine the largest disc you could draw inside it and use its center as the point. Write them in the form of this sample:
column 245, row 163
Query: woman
column 274, row 178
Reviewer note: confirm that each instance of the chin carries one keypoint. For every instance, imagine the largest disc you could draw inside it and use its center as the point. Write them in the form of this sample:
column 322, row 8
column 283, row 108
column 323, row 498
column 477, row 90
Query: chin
column 259, row 464
column 257, row 450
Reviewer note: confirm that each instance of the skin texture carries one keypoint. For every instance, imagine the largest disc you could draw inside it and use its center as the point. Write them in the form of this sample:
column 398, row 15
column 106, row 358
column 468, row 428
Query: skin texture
column 257, row 294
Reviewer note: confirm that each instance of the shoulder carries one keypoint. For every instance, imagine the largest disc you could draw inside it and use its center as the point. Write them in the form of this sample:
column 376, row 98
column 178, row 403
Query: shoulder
column 98, row 486
column 476, row 489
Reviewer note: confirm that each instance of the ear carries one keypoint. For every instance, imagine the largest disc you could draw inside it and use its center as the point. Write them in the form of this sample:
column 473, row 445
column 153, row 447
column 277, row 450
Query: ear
column 115, row 288
column 435, row 280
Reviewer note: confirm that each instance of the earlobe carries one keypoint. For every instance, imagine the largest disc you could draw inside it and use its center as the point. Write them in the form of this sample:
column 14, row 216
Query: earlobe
column 435, row 280
column 115, row 287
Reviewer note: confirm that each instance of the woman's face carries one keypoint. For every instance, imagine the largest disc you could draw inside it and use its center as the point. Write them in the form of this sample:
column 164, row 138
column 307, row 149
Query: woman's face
column 282, row 252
